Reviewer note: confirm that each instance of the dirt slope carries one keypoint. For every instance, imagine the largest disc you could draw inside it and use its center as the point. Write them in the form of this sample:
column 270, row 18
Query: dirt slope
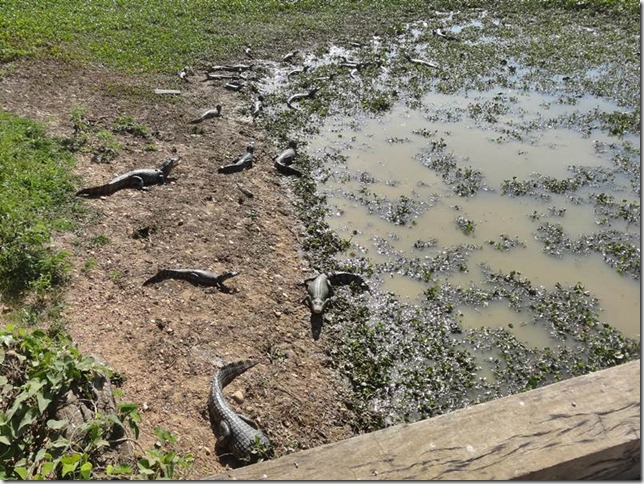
column 165, row 338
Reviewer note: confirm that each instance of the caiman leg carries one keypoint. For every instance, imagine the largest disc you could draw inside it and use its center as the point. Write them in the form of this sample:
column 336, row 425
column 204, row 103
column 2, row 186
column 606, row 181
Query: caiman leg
column 249, row 421
column 139, row 182
column 326, row 303
column 224, row 437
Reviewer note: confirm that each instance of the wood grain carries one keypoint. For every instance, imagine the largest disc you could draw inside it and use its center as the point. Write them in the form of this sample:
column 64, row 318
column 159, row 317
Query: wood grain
column 583, row 428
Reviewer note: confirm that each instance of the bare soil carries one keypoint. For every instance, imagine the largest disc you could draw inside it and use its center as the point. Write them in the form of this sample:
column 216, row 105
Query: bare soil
column 166, row 339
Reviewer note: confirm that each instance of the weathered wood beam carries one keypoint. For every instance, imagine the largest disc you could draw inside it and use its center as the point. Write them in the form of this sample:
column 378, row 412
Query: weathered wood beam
column 582, row 428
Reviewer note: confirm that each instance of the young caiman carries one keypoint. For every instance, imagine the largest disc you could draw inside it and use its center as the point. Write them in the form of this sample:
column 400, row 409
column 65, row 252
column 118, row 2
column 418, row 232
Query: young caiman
column 283, row 161
column 320, row 288
column 140, row 179
column 244, row 162
column 198, row 277
column 235, row 433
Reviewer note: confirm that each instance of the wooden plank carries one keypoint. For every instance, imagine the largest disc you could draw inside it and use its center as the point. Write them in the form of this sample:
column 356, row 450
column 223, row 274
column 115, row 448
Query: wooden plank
column 582, row 428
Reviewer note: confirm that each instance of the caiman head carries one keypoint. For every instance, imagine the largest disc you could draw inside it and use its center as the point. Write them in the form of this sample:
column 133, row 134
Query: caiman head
column 227, row 275
column 318, row 305
column 169, row 164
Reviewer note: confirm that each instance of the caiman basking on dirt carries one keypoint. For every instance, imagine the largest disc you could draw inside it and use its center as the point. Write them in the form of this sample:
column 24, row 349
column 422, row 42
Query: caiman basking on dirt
column 198, row 277
column 244, row 162
column 208, row 114
column 235, row 433
column 140, row 179
column 320, row 288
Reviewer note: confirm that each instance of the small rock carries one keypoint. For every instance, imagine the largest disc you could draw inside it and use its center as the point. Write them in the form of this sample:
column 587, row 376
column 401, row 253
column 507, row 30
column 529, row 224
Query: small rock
column 238, row 396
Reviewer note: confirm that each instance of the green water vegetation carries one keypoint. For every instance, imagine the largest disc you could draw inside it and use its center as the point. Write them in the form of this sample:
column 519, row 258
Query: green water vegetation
column 466, row 225
column 407, row 361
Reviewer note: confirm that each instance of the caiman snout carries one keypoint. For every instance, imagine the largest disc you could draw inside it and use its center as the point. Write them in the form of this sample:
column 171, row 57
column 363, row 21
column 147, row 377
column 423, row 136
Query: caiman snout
column 317, row 306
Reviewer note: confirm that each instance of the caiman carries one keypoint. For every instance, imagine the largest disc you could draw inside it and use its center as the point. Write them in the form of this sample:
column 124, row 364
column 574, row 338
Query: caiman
column 258, row 106
column 140, row 179
column 208, row 114
column 244, row 162
column 290, row 56
column 320, row 288
column 235, row 433
column 198, row 277
column 421, row 62
column 301, row 95
column 285, row 159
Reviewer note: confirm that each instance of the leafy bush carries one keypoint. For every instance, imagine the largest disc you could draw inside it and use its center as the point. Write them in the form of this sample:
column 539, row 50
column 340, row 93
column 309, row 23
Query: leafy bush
column 38, row 374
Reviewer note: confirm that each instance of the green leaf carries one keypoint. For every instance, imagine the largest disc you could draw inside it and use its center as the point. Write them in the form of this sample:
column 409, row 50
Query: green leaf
column 86, row 470
column 28, row 418
column 127, row 407
column 5, row 440
column 22, row 472
column 164, row 435
column 118, row 469
column 68, row 468
column 71, row 459
column 57, row 424
column 34, row 386
column 47, row 468
column 43, row 402
column 101, row 443
column 60, row 442
column 145, row 470
column 40, row 454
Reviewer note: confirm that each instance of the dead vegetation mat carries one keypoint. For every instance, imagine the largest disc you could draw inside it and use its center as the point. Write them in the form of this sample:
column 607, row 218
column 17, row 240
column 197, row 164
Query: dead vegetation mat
column 166, row 339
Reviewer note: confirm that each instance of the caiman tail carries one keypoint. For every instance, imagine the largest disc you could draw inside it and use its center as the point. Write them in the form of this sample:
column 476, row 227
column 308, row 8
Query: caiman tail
column 95, row 192
column 162, row 275
column 286, row 170
column 345, row 278
column 229, row 372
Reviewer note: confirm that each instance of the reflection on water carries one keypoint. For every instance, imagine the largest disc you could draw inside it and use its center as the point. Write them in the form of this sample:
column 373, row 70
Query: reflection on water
column 502, row 135
column 498, row 315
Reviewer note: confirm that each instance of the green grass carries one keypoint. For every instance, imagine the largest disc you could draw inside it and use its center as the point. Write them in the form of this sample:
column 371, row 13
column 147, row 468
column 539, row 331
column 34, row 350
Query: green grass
column 162, row 36
column 36, row 199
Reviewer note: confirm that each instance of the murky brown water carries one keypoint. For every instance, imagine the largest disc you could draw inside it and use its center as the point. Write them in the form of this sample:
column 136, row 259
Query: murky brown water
column 383, row 162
